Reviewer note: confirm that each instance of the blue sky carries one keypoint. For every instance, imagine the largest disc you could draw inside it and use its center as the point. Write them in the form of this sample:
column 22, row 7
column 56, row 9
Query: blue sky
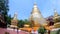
column 24, row 7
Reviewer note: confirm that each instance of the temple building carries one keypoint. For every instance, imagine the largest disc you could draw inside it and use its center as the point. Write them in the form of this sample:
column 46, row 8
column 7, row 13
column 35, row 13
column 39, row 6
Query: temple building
column 56, row 19
column 14, row 21
column 53, row 21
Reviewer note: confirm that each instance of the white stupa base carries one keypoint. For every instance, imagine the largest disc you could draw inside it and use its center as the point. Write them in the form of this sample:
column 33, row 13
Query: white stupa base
column 13, row 26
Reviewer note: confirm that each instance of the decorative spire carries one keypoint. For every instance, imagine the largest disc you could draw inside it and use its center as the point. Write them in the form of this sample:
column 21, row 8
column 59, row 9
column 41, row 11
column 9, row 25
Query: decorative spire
column 55, row 13
column 15, row 16
column 14, row 21
column 35, row 5
column 35, row 8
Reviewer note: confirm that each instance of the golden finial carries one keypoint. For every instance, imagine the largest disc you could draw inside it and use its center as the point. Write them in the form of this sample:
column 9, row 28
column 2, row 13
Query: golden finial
column 55, row 13
column 35, row 5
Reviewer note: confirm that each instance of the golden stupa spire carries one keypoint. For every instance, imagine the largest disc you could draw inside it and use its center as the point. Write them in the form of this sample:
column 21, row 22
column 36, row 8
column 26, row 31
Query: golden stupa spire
column 55, row 13
column 35, row 8
column 15, row 16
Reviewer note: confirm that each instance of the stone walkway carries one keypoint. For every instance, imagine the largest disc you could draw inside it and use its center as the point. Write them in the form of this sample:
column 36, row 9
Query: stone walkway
column 12, row 31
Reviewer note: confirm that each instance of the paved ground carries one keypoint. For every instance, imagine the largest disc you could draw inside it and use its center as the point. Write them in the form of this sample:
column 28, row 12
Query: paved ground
column 11, row 31
column 14, row 31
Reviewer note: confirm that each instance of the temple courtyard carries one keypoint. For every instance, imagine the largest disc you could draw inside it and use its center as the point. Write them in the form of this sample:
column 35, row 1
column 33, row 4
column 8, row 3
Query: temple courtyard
column 35, row 24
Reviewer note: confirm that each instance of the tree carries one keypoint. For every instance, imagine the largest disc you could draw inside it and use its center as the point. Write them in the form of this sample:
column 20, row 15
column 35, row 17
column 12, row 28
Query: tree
column 4, row 9
column 20, row 23
column 41, row 30
column 9, row 20
column 27, row 22
column 58, row 32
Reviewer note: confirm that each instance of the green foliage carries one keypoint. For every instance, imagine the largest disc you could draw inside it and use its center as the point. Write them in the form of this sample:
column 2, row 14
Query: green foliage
column 27, row 22
column 58, row 32
column 41, row 30
column 4, row 8
column 4, row 11
column 9, row 20
column 21, row 23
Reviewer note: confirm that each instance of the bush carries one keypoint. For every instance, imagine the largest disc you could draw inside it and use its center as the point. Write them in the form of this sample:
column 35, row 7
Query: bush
column 41, row 30
column 58, row 32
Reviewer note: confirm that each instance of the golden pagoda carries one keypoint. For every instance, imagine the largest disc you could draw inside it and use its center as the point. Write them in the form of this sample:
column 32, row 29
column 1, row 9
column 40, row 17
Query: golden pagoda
column 36, row 18
column 14, row 21
column 56, row 17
